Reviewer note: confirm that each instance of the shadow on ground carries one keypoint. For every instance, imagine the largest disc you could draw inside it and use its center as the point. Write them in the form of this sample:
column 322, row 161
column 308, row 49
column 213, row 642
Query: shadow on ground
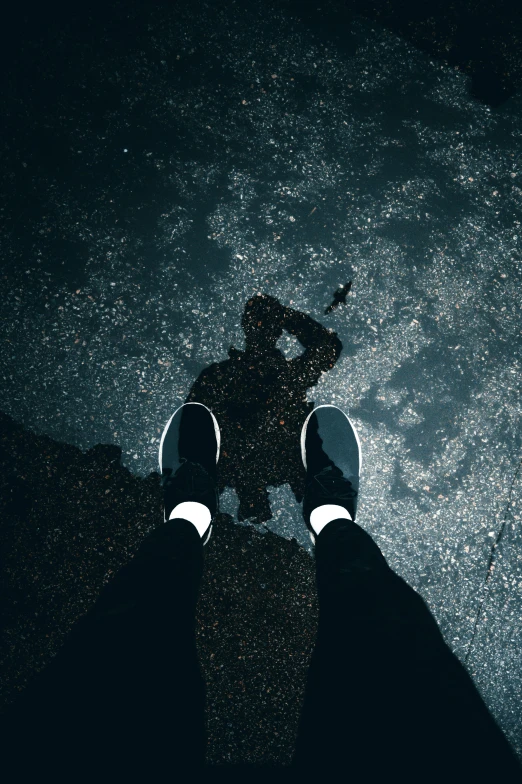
column 70, row 520
column 259, row 399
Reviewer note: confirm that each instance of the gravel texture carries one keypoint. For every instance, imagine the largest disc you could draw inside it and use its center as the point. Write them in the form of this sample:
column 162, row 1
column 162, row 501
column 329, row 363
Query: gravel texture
column 160, row 168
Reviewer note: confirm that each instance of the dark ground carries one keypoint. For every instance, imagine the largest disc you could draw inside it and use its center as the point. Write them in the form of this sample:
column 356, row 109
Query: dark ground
column 87, row 517
column 162, row 164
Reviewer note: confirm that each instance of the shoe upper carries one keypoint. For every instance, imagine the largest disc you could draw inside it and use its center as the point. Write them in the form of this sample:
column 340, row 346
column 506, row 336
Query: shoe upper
column 331, row 456
column 189, row 451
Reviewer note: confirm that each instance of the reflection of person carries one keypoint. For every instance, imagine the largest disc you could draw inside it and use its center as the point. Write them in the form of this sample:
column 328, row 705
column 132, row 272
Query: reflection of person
column 259, row 398
column 385, row 699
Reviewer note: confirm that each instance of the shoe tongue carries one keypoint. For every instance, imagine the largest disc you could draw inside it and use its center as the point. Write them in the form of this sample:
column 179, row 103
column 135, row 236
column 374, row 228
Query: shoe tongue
column 331, row 480
column 196, row 469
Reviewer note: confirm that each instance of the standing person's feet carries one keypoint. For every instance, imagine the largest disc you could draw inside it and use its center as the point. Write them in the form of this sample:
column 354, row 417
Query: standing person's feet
column 188, row 456
column 331, row 455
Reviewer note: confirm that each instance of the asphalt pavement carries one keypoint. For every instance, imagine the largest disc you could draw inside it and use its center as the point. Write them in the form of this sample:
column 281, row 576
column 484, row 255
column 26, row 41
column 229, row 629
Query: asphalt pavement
column 163, row 167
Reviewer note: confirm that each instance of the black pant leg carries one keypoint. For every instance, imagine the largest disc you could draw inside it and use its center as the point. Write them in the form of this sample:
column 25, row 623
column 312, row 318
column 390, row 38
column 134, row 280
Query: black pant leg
column 385, row 695
column 125, row 695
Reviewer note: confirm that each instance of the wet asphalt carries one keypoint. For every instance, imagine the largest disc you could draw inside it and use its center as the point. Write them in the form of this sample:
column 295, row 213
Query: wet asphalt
column 162, row 167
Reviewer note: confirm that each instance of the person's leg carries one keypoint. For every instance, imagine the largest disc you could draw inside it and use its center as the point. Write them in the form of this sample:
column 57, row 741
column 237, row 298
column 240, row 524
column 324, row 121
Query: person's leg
column 125, row 692
column 125, row 696
column 385, row 695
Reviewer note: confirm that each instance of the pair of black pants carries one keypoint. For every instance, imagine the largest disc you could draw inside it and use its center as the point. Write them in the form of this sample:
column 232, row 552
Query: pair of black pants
column 385, row 695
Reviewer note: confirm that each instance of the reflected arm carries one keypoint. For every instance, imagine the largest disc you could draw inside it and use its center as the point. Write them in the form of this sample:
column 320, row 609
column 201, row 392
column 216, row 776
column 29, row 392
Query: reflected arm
column 323, row 347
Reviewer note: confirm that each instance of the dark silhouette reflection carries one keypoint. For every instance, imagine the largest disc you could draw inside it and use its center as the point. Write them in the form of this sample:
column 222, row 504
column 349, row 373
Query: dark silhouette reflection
column 259, row 400
column 339, row 297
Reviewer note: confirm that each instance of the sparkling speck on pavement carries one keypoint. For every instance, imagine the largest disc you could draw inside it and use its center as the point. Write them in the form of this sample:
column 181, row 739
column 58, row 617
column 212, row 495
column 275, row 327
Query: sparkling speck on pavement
column 153, row 187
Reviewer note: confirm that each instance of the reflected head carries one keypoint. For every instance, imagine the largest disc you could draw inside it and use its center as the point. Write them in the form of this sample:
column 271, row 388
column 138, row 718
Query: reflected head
column 262, row 322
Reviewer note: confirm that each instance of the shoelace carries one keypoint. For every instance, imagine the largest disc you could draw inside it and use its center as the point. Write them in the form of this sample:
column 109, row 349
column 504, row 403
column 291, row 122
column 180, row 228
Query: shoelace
column 196, row 474
column 334, row 484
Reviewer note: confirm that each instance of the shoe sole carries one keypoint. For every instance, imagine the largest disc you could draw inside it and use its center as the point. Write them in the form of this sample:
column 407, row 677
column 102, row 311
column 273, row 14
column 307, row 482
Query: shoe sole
column 216, row 431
